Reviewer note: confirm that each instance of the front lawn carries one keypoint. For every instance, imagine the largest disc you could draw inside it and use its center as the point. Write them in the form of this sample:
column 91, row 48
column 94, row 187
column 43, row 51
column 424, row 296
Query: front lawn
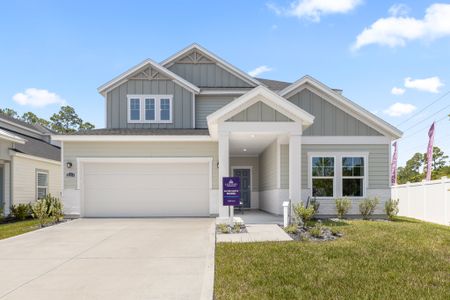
column 405, row 259
column 11, row 229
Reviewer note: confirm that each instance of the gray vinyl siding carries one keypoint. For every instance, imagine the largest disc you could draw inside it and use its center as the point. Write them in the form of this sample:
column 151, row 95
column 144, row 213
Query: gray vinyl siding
column 378, row 162
column 207, row 75
column 329, row 119
column 206, row 105
column 117, row 106
column 268, row 168
column 259, row 112
column 248, row 162
column 74, row 150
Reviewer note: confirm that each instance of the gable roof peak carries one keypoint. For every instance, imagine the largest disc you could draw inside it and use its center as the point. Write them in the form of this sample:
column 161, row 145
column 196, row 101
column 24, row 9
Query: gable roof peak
column 219, row 61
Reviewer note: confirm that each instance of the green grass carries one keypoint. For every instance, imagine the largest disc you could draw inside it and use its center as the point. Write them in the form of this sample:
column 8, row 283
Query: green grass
column 405, row 259
column 12, row 229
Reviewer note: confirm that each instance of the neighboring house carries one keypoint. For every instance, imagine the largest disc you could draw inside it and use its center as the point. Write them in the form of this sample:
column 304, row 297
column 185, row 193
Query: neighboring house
column 175, row 128
column 30, row 164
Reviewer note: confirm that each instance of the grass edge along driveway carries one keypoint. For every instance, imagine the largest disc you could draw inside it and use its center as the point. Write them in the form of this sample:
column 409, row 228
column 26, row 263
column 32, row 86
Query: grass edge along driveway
column 404, row 259
column 16, row 228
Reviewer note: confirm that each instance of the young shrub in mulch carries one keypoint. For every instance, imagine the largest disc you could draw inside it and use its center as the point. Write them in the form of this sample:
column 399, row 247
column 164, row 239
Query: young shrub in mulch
column 302, row 213
column 343, row 205
column 54, row 208
column 391, row 208
column 238, row 227
column 20, row 211
column 313, row 231
column 367, row 207
column 39, row 209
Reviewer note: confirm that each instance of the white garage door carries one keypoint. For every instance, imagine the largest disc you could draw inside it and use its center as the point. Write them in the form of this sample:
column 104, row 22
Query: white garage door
column 145, row 189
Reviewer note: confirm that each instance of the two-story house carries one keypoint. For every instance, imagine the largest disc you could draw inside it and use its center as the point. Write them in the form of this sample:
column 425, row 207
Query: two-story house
column 175, row 128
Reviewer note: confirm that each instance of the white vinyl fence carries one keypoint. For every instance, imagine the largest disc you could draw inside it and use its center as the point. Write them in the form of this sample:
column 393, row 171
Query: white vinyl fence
column 426, row 200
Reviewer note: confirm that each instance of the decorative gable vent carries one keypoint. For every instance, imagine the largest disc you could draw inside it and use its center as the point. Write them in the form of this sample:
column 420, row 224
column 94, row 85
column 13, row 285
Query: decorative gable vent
column 195, row 57
column 149, row 74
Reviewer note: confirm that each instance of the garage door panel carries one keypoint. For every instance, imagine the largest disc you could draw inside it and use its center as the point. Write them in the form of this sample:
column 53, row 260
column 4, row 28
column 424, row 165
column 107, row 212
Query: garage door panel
column 140, row 190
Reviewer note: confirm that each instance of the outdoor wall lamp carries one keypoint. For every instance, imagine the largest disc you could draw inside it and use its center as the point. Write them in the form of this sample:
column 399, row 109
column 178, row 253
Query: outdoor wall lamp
column 69, row 165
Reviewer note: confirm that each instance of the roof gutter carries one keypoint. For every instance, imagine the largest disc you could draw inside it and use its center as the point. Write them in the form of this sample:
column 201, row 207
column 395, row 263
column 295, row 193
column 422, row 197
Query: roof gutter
column 132, row 138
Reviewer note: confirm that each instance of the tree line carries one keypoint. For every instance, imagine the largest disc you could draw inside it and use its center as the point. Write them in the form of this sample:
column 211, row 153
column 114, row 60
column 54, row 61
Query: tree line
column 64, row 121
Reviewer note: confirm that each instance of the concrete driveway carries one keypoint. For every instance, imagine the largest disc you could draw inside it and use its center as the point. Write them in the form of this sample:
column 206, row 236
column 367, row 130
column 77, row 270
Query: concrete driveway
column 111, row 259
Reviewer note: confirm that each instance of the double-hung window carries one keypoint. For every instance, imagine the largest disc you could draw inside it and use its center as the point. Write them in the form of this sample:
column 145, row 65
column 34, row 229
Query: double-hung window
column 150, row 109
column 352, row 176
column 41, row 184
column 323, row 176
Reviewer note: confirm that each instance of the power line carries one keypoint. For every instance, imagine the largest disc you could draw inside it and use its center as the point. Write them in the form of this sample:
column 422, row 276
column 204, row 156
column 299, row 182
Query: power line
column 413, row 116
column 420, row 130
column 430, row 116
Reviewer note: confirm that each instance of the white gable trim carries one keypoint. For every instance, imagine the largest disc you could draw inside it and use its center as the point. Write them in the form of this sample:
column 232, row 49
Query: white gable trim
column 148, row 62
column 343, row 103
column 5, row 135
column 220, row 62
column 266, row 96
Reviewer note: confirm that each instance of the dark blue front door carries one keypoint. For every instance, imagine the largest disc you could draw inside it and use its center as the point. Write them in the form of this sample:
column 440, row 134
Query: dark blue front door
column 244, row 175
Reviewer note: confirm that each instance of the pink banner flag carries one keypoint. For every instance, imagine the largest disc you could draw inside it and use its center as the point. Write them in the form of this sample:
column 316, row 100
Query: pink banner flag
column 394, row 165
column 430, row 151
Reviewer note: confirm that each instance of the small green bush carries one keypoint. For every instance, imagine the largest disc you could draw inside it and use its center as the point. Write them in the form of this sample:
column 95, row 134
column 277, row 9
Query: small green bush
column 291, row 229
column 391, row 208
column 223, row 228
column 39, row 209
column 237, row 227
column 367, row 207
column 343, row 205
column 317, row 230
column 21, row 211
column 302, row 214
column 315, row 205
column 1, row 214
column 54, row 207
column 335, row 231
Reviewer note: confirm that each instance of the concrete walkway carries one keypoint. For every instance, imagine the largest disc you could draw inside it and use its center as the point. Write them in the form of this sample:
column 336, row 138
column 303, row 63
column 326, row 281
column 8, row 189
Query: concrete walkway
column 256, row 233
column 111, row 259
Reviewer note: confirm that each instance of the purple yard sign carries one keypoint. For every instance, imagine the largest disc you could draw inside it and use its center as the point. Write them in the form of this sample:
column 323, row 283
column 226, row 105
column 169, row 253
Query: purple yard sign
column 231, row 191
column 394, row 165
column 430, row 151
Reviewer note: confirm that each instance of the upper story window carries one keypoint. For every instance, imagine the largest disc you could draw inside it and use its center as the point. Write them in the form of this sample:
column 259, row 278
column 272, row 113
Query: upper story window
column 149, row 108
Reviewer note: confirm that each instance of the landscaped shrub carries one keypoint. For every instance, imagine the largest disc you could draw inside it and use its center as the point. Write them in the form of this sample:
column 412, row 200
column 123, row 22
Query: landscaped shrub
column 54, row 207
column 1, row 213
column 223, row 228
column 314, row 204
column 317, row 230
column 237, row 227
column 21, row 211
column 39, row 209
column 391, row 208
column 367, row 207
column 291, row 229
column 343, row 205
column 302, row 214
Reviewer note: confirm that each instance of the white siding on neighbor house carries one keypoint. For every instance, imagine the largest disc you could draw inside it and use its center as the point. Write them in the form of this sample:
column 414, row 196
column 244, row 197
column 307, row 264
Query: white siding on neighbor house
column 24, row 179
column 206, row 105
column 74, row 150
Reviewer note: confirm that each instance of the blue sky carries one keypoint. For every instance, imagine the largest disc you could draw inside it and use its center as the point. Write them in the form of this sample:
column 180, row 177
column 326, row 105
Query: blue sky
column 69, row 48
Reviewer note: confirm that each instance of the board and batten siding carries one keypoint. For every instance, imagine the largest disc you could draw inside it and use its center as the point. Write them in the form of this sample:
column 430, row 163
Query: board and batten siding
column 117, row 105
column 24, row 179
column 329, row 119
column 206, row 105
column 378, row 162
column 207, row 75
column 268, row 168
column 247, row 162
column 259, row 112
column 74, row 150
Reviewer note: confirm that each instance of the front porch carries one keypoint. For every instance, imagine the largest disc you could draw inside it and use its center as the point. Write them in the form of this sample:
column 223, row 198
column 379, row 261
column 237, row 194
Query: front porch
column 256, row 216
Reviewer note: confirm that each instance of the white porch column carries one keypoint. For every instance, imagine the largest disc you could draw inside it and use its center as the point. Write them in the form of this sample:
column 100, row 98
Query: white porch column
column 224, row 170
column 295, row 164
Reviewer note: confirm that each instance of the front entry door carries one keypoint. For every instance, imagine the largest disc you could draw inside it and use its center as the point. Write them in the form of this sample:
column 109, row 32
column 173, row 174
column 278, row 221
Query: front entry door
column 244, row 175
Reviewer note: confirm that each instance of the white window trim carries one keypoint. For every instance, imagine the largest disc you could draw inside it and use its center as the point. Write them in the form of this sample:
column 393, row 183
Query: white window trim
column 354, row 177
column 322, row 177
column 47, row 187
column 157, row 98
column 337, row 182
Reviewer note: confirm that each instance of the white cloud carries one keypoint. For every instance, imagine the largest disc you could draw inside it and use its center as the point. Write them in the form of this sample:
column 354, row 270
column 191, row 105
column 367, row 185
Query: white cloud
column 399, row 109
column 259, row 70
column 38, row 98
column 396, row 30
column 431, row 84
column 397, row 91
column 314, row 9
column 399, row 9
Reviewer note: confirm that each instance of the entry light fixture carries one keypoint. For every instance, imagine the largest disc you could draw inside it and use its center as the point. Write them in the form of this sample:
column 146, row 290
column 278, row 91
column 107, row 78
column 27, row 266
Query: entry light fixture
column 252, row 136
column 69, row 165
column 245, row 149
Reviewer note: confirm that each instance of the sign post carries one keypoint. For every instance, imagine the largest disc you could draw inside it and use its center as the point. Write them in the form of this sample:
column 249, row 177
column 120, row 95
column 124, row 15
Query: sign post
column 231, row 194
